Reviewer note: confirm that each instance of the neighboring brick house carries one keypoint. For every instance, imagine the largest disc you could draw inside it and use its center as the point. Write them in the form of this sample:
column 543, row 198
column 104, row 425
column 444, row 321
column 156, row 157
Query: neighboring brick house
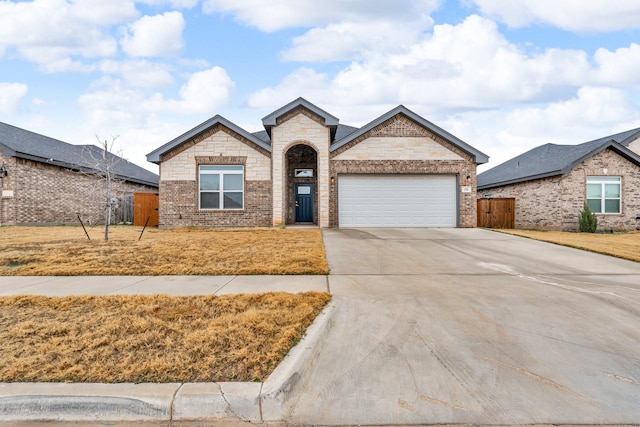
column 551, row 183
column 399, row 170
column 47, row 181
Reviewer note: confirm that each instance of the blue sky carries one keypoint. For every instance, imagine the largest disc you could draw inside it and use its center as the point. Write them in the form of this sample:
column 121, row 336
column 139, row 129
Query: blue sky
column 503, row 75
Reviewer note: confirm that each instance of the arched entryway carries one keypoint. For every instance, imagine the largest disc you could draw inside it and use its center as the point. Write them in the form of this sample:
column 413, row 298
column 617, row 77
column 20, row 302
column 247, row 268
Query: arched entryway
column 302, row 185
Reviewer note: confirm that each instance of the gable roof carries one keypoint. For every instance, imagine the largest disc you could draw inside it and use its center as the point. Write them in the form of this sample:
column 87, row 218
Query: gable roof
column 552, row 159
column 330, row 121
column 339, row 134
column 257, row 139
column 24, row 144
column 479, row 157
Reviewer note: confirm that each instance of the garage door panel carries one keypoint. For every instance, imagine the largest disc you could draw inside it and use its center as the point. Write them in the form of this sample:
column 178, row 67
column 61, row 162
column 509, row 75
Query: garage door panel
column 397, row 201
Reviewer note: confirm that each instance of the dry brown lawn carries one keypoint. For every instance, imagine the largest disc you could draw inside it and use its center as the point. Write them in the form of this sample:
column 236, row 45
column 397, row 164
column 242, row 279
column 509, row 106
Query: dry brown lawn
column 152, row 338
column 65, row 251
column 622, row 245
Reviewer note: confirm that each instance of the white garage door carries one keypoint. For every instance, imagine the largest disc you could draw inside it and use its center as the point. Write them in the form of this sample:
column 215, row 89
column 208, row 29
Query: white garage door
column 397, row 201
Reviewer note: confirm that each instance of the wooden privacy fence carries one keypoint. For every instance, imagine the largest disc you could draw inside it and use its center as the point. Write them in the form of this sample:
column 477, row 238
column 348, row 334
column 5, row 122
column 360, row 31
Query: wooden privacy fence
column 145, row 206
column 497, row 213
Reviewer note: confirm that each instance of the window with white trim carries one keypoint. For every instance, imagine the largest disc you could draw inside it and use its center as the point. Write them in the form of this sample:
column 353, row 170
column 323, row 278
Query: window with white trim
column 603, row 194
column 221, row 187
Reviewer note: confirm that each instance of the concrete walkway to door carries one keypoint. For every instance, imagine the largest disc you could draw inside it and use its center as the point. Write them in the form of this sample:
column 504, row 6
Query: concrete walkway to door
column 471, row 326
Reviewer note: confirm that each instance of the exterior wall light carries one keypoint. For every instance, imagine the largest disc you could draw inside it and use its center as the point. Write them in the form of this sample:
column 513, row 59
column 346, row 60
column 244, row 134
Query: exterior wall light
column 3, row 171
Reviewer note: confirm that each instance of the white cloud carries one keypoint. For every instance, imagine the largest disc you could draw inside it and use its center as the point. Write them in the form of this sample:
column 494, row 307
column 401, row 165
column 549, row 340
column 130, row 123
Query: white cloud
column 144, row 120
column 354, row 40
column 279, row 14
column 159, row 35
column 592, row 106
column 10, row 95
column 176, row 4
column 111, row 103
column 304, row 82
column 457, row 67
column 593, row 112
column 143, row 74
column 52, row 31
column 572, row 15
column 620, row 67
column 205, row 92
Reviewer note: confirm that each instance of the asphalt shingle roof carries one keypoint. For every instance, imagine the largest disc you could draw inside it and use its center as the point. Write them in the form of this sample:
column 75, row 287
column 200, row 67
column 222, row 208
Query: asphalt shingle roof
column 552, row 159
column 340, row 134
column 25, row 144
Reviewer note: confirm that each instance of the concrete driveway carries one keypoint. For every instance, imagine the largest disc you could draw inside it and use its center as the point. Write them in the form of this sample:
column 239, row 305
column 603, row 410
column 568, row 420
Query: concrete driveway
column 472, row 326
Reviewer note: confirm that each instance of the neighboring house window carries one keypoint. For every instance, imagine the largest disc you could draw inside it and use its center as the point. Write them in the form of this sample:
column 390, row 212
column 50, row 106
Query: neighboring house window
column 603, row 194
column 222, row 187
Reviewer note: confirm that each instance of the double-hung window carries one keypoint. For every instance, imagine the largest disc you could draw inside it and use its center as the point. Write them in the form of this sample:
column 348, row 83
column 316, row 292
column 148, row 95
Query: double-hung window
column 222, row 187
column 603, row 194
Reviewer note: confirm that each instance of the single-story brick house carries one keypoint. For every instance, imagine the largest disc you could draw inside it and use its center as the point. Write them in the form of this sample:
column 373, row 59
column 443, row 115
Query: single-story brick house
column 399, row 170
column 47, row 181
column 551, row 183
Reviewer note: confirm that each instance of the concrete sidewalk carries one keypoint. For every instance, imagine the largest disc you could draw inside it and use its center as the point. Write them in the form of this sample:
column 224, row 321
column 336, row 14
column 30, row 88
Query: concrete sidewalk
column 163, row 403
column 145, row 285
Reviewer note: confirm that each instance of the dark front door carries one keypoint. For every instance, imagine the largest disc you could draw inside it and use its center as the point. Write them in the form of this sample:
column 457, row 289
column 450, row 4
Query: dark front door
column 304, row 202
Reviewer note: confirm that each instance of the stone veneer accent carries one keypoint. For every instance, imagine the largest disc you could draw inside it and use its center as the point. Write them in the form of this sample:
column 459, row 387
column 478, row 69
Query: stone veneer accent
column 181, row 165
column 555, row 203
column 635, row 146
column 207, row 135
column 46, row 194
column 398, row 148
column 301, row 157
column 299, row 127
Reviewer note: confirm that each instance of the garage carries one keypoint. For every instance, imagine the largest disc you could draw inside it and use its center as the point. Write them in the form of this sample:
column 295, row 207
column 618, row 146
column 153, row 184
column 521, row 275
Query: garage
column 397, row 201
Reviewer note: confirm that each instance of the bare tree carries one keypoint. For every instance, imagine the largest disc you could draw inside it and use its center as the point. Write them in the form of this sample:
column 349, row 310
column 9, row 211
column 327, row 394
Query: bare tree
column 101, row 162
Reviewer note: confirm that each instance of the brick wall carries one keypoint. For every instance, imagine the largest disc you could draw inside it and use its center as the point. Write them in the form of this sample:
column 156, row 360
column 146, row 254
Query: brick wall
column 555, row 203
column 383, row 152
column 179, row 207
column 47, row 194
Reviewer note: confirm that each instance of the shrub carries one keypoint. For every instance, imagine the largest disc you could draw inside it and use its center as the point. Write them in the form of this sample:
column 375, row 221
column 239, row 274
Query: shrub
column 587, row 222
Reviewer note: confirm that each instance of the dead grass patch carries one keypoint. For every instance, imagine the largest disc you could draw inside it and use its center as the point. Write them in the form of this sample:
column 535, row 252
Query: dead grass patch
column 65, row 251
column 151, row 338
column 624, row 245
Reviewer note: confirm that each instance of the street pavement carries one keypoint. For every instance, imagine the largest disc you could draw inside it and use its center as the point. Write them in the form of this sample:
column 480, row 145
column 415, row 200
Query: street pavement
column 426, row 326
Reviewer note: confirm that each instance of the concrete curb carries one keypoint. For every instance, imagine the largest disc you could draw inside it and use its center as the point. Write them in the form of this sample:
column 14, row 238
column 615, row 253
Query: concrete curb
column 283, row 385
column 253, row 402
column 86, row 402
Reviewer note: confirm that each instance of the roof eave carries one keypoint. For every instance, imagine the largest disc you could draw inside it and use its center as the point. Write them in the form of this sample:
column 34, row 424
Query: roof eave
column 612, row 144
column 138, row 181
column 523, row 179
column 155, row 155
column 80, row 168
column 479, row 157
column 271, row 119
column 7, row 151
column 625, row 142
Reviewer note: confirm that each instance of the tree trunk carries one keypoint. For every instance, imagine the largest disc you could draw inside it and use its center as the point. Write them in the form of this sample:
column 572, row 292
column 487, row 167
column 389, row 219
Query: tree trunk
column 107, row 222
